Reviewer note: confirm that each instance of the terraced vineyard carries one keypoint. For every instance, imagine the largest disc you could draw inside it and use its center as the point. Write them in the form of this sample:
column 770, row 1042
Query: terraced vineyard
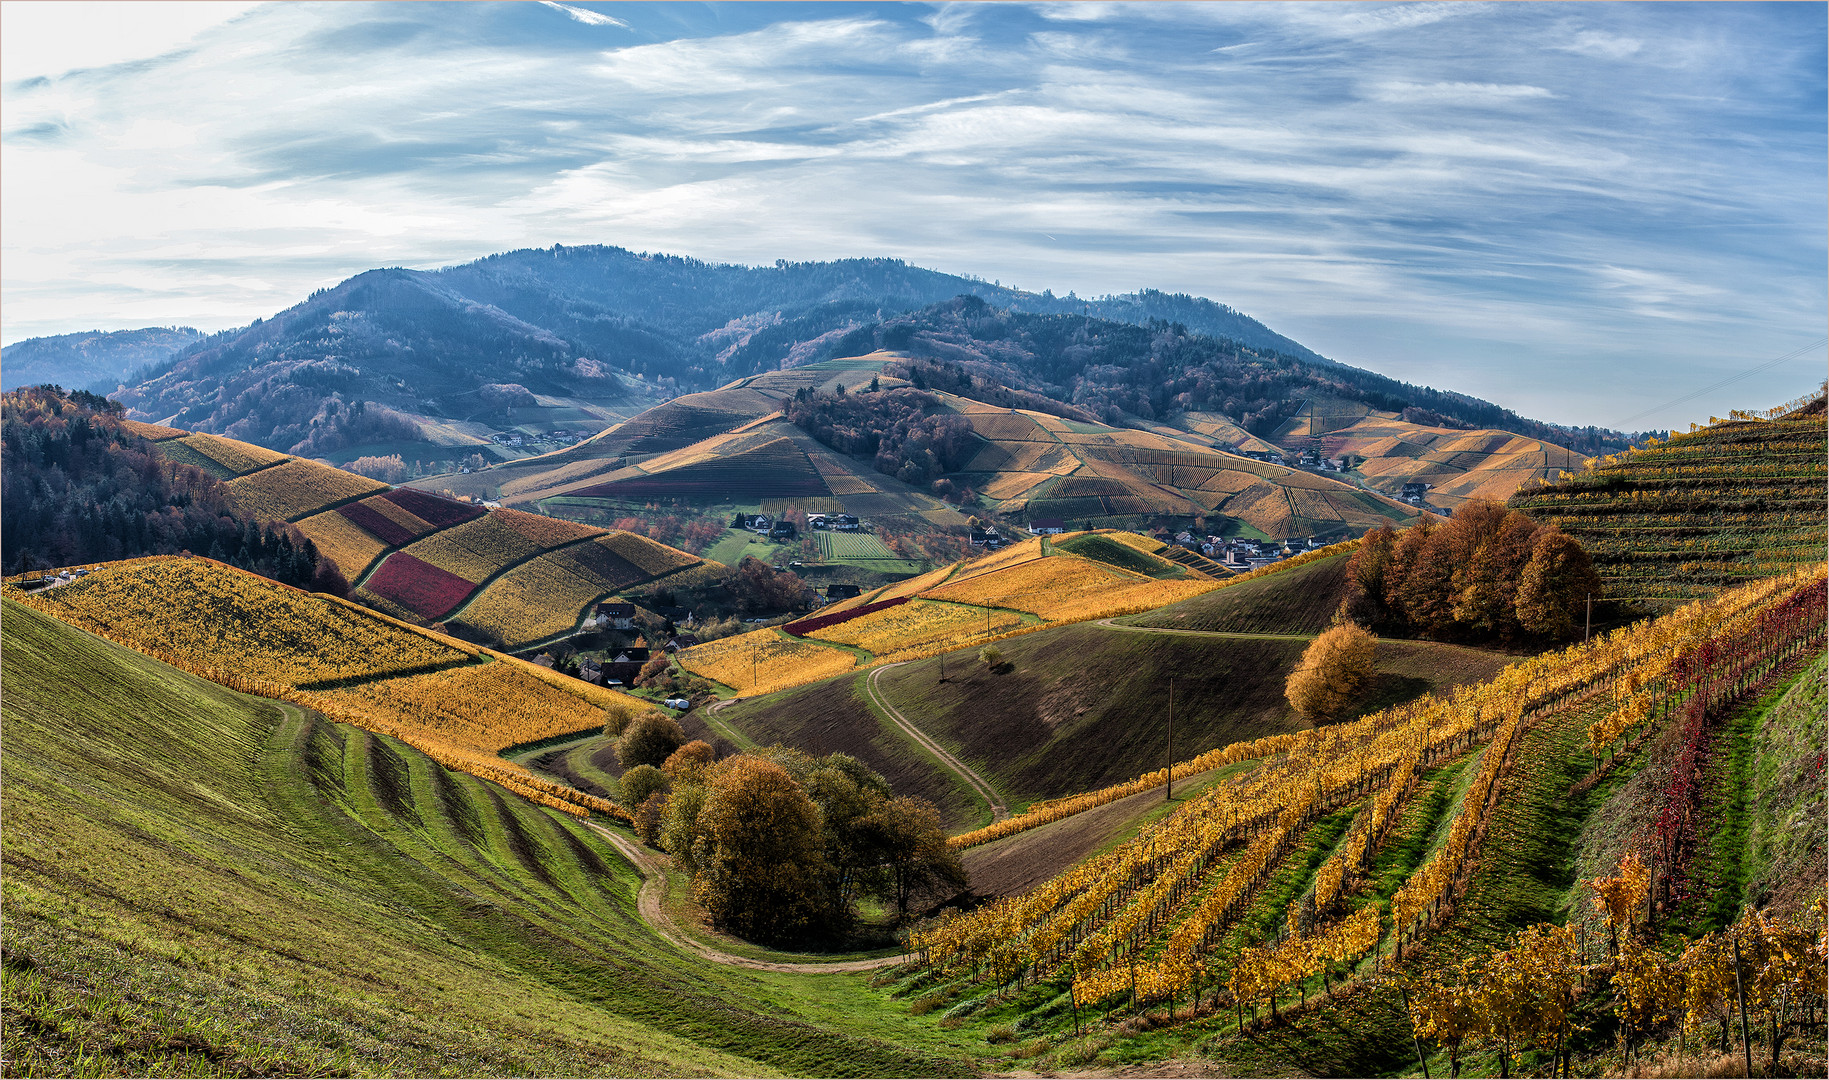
column 1733, row 502
column 456, row 702
column 1274, row 886
column 226, row 886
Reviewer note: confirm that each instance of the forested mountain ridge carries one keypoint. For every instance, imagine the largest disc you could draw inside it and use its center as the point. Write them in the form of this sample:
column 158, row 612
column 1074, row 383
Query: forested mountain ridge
column 94, row 360
column 578, row 338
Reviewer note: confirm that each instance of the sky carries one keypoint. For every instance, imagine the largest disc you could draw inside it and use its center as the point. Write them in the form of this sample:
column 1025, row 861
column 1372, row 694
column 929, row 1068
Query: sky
column 1581, row 212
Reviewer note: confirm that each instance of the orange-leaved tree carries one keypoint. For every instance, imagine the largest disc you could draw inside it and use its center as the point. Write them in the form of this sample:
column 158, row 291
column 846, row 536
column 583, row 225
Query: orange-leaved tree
column 760, row 852
column 1332, row 674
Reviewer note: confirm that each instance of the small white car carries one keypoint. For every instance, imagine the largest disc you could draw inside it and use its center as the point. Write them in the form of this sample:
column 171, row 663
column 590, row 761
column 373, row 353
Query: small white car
column 677, row 703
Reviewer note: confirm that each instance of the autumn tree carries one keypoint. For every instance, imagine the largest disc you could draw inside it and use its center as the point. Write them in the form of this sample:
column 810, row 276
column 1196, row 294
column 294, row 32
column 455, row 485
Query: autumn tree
column 1332, row 673
column 761, row 858
column 639, row 783
column 649, row 740
column 1365, row 576
column 909, row 837
column 689, row 762
column 1555, row 582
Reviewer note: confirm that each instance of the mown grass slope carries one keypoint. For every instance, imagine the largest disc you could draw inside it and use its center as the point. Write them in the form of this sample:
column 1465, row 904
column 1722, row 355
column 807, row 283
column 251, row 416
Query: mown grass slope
column 201, row 882
column 1730, row 503
column 1299, row 600
column 1074, row 708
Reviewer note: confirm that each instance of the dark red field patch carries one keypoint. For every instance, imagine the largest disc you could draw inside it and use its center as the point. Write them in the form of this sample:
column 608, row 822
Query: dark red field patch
column 433, row 509
column 419, row 586
column 378, row 525
column 806, row 626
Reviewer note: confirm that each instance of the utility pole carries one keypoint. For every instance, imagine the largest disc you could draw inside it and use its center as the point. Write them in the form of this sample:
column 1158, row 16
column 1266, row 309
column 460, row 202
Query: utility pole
column 1169, row 789
column 1587, row 630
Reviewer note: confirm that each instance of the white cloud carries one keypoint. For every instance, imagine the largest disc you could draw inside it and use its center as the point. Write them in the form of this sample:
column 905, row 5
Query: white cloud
column 585, row 15
column 1456, row 93
column 1327, row 179
column 41, row 38
column 1603, row 45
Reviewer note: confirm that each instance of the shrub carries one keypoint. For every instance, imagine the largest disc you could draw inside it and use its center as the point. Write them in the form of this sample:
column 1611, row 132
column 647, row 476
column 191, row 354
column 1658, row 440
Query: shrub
column 688, row 763
column 649, row 817
column 991, row 656
column 639, row 783
column 616, row 719
column 648, row 740
column 1333, row 671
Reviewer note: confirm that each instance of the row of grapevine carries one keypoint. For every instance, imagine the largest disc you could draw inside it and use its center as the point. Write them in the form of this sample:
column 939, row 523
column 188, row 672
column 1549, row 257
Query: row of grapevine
column 1192, row 876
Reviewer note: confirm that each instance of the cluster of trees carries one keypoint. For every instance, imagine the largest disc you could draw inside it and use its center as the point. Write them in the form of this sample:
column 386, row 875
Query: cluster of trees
column 79, row 487
column 780, row 845
column 902, row 431
column 1487, row 572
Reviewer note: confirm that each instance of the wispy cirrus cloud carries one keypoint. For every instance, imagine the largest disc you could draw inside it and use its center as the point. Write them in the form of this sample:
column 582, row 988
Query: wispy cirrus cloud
column 1499, row 199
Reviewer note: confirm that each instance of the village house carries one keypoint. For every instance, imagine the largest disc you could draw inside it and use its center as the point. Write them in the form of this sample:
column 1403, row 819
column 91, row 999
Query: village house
column 615, row 615
column 1047, row 526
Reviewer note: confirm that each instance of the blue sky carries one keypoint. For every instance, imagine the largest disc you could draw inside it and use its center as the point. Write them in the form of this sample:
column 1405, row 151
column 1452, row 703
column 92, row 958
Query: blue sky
column 1579, row 211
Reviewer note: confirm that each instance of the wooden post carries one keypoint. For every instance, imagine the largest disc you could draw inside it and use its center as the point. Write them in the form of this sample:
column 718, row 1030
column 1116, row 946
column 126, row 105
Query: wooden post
column 1414, row 1041
column 1169, row 788
column 1746, row 1046
column 1587, row 629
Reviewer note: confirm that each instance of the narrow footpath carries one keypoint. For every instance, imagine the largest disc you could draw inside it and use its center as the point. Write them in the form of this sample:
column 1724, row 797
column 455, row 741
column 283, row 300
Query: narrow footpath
column 999, row 810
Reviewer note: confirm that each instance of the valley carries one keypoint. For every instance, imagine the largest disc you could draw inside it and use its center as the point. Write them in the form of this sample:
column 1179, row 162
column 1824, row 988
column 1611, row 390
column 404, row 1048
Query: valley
column 1044, row 642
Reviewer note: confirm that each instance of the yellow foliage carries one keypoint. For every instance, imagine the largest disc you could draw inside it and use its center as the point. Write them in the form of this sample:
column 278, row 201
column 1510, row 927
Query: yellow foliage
column 763, row 661
column 1332, row 673
column 475, row 549
column 343, row 540
column 220, row 617
column 918, row 625
column 483, row 706
column 294, row 489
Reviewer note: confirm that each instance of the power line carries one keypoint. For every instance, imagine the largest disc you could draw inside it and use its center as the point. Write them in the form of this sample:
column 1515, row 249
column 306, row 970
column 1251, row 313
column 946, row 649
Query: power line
column 1731, row 379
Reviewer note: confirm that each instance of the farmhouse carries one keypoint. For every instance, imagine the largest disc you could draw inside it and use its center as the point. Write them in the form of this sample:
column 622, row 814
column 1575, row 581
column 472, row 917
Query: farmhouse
column 616, row 616
column 987, row 538
column 783, row 530
column 1414, row 491
column 845, row 523
column 681, row 641
column 589, row 670
column 840, row 591
column 1047, row 527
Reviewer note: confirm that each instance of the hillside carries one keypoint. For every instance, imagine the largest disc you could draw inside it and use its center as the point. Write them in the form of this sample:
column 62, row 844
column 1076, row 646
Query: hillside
column 206, row 883
column 727, row 448
column 504, row 578
column 99, row 361
column 1736, row 501
column 1263, row 926
column 1299, row 600
column 571, row 338
column 1457, row 464
column 1073, row 708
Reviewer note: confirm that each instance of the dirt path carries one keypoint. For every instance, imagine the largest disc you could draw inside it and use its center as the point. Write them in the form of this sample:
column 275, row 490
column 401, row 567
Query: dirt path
column 648, row 902
column 1108, row 624
column 999, row 811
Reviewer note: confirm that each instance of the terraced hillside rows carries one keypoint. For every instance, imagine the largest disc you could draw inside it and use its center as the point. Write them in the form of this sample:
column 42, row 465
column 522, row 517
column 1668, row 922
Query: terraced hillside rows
column 454, row 701
column 1328, row 854
column 997, row 596
column 1733, row 502
column 203, row 883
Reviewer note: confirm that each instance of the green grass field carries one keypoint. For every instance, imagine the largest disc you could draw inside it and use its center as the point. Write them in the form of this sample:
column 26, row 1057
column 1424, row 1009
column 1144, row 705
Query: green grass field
column 1123, row 556
column 1300, row 600
column 863, row 550
column 205, row 883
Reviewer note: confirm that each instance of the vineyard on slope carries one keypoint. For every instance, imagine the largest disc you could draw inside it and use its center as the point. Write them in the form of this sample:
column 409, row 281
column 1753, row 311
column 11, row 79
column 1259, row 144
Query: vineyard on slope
column 1738, row 500
column 456, row 702
column 1143, row 922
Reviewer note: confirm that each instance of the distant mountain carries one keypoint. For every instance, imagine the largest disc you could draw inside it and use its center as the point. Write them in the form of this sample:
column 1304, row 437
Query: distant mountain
column 94, row 360
column 567, row 337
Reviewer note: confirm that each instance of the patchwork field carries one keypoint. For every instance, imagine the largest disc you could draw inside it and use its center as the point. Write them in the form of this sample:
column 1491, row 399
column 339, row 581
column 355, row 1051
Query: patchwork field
column 295, row 489
column 1458, row 465
column 763, row 661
